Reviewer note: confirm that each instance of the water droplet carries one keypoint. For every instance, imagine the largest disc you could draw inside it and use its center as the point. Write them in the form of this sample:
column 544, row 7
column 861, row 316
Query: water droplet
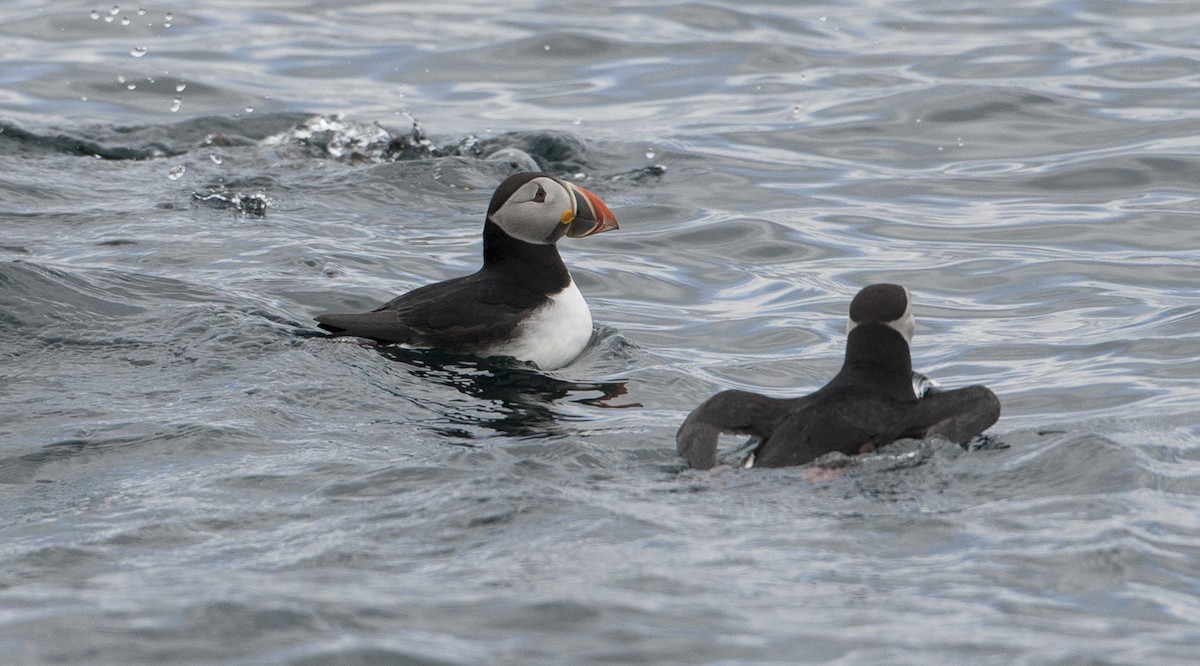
column 795, row 110
column 960, row 142
column 546, row 47
column 175, row 104
column 108, row 19
column 168, row 20
column 176, row 172
column 120, row 78
column 918, row 120
column 131, row 86
column 215, row 158
column 249, row 109
column 138, row 52
column 114, row 11
column 940, row 148
column 180, row 87
column 578, row 120
column 141, row 11
column 650, row 154
column 822, row 19
column 125, row 20
column 83, row 99
column 95, row 15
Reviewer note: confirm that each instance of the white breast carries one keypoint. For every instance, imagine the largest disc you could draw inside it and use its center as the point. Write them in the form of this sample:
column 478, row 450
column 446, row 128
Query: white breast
column 555, row 333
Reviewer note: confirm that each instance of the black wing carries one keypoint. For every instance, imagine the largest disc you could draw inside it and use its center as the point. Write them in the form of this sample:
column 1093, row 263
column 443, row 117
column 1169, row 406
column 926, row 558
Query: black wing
column 957, row 415
column 460, row 314
column 738, row 412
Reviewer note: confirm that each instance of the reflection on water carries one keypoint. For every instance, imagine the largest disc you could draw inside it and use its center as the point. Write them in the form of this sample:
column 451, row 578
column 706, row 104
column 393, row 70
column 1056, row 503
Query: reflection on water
column 515, row 398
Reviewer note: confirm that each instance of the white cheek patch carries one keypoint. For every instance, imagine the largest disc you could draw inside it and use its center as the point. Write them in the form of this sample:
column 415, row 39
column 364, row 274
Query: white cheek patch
column 905, row 325
column 536, row 222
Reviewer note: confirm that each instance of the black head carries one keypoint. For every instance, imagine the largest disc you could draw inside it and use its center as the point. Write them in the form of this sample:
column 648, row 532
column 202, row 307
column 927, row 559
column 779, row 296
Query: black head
column 539, row 208
column 888, row 304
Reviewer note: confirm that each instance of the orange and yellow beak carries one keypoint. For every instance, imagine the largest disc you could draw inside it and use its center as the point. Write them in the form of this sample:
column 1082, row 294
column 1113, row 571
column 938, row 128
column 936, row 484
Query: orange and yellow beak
column 590, row 216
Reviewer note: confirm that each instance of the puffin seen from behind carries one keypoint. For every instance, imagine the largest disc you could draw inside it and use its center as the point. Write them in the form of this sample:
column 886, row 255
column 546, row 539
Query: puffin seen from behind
column 522, row 303
column 868, row 404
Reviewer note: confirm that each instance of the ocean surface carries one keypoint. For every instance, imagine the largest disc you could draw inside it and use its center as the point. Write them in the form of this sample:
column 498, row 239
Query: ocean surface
column 189, row 476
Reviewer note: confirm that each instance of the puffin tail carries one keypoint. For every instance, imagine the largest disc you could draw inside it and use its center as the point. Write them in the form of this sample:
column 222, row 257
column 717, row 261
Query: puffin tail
column 380, row 325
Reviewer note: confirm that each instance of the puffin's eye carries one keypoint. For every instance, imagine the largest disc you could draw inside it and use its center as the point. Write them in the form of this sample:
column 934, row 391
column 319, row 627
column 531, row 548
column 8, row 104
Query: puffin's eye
column 541, row 195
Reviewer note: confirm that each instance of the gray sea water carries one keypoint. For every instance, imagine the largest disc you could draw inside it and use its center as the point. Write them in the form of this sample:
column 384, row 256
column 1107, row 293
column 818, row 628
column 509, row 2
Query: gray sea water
column 187, row 478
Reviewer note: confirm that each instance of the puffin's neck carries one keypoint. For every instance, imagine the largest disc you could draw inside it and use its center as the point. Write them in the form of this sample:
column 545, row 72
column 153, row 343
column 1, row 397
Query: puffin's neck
column 536, row 267
column 877, row 356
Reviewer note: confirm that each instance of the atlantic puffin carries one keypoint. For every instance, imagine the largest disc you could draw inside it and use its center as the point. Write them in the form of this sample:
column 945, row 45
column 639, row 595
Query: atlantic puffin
column 871, row 402
column 522, row 303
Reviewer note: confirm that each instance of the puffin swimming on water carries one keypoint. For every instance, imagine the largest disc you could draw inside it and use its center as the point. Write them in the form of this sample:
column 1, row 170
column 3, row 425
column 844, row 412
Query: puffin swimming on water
column 522, row 303
column 868, row 404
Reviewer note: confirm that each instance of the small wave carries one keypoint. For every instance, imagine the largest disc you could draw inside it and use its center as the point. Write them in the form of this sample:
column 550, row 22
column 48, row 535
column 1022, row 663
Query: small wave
column 348, row 141
column 145, row 142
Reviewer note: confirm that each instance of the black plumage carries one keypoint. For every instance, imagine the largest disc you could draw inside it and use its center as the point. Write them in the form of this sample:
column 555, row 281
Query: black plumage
column 868, row 404
column 468, row 313
column 522, row 272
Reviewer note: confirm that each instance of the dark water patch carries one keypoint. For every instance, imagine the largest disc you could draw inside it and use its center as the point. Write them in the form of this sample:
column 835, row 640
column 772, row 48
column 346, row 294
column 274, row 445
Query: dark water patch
column 146, row 141
column 21, row 142
column 1019, row 106
column 43, row 561
column 954, row 123
column 520, row 400
column 113, row 442
column 1120, row 174
column 35, row 296
column 108, row 309
column 25, row 468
